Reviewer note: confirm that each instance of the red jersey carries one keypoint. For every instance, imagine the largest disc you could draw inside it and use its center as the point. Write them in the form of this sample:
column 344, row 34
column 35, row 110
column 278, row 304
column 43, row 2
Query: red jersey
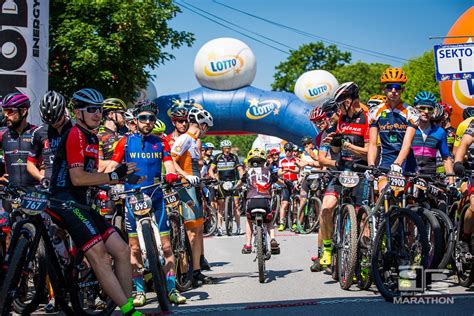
column 288, row 164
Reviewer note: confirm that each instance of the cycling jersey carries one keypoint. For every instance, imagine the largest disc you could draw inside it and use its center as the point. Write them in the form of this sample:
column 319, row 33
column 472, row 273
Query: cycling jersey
column 46, row 141
column 207, row 161
column 16, row 148
column 186, row 152
column 79, row 148
column 470, row 150
column 226, row 166
column 354, row 129
column 288, row 164
column 259, row 180
column 107, row 142
column 170, row 139
column 425, row 146
column 306, row 157
column 391, row 125
column 462, row 127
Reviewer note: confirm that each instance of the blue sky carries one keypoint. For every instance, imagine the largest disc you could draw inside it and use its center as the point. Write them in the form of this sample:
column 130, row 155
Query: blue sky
column 399, row 28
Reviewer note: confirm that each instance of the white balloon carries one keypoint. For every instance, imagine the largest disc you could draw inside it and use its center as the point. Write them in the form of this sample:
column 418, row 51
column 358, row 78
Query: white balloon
column 225, row 64
column 149, row 92
column 315, row 86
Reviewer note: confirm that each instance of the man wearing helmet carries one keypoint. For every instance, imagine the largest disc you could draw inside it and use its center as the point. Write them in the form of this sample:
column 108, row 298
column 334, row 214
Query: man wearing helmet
column 207, row 158
column 226, row 167
column 179, row 119
column 396, row 123
column 47, row 137
column 186, row 153
column 130, row 121
column 467, row 116
column 114, row 120
column 429, row 138
column 73, row 177
column 446, row 124
column 130, row 149
column 159, row 128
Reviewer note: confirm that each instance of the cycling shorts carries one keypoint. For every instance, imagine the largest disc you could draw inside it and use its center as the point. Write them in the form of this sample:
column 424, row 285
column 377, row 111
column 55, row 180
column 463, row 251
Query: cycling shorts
column 305, row 185
column 192, row 210
column 259, row 203
column 333, row 188
column 359, row 193
column 160, row 216
column 86, row 227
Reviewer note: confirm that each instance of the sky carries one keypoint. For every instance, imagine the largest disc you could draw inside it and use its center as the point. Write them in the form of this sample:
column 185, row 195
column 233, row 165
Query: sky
column 399, row 28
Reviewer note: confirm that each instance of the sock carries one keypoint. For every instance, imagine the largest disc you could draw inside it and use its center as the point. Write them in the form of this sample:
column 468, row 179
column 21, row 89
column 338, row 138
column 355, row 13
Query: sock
column 127, row 308
column 320, row 250
column 139, row 283
column 327, row 243
column 170, row 282
column 196, row 272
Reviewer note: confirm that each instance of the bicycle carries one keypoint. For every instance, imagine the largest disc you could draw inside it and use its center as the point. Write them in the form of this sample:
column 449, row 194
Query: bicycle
column 260, row 240
column 311, row 212
column 210, row 212
column 228, row 187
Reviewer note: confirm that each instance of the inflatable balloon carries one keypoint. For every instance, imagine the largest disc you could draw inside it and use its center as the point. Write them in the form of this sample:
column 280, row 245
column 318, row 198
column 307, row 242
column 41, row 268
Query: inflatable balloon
column 459, row 93
column 225, row 64
column 315, row 86
column 149, row 92
column 248, row 109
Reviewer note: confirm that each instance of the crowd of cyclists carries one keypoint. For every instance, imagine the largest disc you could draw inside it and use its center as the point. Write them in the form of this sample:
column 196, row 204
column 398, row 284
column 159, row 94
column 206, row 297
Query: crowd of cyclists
column 96, row 142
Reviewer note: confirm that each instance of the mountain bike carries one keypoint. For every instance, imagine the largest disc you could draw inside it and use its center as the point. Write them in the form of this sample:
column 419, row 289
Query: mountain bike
column 308, row 217
column 258, row 215
column 209, row 212
column 229, row 193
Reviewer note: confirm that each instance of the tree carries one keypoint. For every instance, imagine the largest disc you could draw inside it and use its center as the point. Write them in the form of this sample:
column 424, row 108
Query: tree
column 307, row 57
column 243, row 142
column 107, row 44
column 366, row 76
column 421, row 74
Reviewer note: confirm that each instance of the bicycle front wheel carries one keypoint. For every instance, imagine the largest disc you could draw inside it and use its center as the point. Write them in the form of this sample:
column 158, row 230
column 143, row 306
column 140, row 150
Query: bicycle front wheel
column 347, row 256
column 229, row 214
column 182, row 254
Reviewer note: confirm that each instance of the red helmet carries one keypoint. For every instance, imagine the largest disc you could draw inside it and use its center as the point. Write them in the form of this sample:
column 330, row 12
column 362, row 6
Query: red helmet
column 316, row 114
column 447, row 108
column 274, row 152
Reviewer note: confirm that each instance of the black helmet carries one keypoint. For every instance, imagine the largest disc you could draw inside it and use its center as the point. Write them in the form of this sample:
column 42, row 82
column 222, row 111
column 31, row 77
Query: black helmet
column 329, row 106
column 468, row 112
column 52, row 106
column 438, row 113
column 145, row 105
column 288, row 147
column 346, row 90
column 306, row 140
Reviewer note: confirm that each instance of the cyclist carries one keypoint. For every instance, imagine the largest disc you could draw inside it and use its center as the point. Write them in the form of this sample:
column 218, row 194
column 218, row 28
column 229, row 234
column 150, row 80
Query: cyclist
column 47, row 137
column 114, row 120
column 429, row 138
column 396, row 124
column 159, row 128
column 446, row 124
column 130, row 149
column 185, row 153
column 206, row 156
column 74, row 172
column 226, row 167
column 179, row 119
column 130, row 121
column 376, row 100
column 259, row 179
column 288, row 171
column 467, row 116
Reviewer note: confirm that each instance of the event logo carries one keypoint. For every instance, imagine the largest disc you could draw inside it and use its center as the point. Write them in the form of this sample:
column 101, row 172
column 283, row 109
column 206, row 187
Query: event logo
column 260, row 109
column 314, row 92
column 219, row 66
column 463, row 92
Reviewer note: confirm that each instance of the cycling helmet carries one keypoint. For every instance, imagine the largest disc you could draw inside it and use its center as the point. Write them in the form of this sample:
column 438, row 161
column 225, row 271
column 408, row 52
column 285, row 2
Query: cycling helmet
column 329, row 106
column 424, row 98
column 274, row 151
column 288, row 147
column 210, row 145
column 393, row 75
column 438, row 113
column 200, row 116
column 114, row 104
column 204, row 146
column 256, row 153
column 52, row 107
column 296, row 147
column 226, row 143
column 345, row 91
column 447, row 108
column 129, row 115
column 306, row 140
column 316, row 114
column 159, row 127
column 85, row 97
column 376, row 100
column 16, row 100
column 179, row 112
column 468, row 112
column 145, row 105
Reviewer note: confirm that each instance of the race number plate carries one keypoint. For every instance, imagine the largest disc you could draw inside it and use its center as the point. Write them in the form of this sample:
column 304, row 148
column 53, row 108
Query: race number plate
column 433, row 190
column 140, row 204
column 34, row 203
column 421, row 184
column 397, row 181
column 171, row 199
column 348, row 179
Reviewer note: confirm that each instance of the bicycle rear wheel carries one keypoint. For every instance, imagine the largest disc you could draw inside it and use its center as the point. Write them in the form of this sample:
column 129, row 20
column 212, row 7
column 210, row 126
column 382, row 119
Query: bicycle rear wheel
column 365, row 234
column 182, row 254
column 260, row 254
column 347, row 252
column 448, row 236
column 435, row 238
column 229, row 214
column 311, row 219
column 464, row 268
column 210, row 220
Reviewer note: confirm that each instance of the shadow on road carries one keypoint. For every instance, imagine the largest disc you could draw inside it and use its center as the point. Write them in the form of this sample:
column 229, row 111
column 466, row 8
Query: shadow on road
column 272, row 275
column 218, row 264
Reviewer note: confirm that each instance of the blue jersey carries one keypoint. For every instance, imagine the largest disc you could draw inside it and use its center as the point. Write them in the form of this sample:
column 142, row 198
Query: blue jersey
column 426, row 146
column 392, row 125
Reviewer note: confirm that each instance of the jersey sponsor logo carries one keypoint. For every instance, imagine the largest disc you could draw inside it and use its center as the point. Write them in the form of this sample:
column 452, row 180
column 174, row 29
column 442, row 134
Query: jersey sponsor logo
column 350, row 128
column 260, row 109
column 396, row 126
column 142, row 155
column 92, row 149
column 219, row 66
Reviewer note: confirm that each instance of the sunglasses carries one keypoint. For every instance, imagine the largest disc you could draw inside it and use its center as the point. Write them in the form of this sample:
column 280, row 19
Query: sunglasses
column 395, row 86
column 93, row 109
column 10, row 111
column 423, row 108
column 144, row 118
column 181, row 121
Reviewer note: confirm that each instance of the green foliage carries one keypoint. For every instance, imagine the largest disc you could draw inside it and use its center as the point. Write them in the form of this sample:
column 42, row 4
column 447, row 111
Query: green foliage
column 107, row 44
column 307, row 57
column 366, row 76
column 243, row 142
column 421, row 74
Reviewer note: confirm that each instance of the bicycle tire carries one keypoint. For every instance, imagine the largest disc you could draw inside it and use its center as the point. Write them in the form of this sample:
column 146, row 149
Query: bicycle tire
column 39, row 281
column 333, row 267
column 276, row 204
column 377, row 267
column 182, row 254
column 12, row 276
column 210, row 222
column 449, row 237
column 464, row 271
column 229, row 215
column 362, row 270
column 435, row 239
column 347, row 262
column 260, row 255
column 311, row 222
column 155, row 266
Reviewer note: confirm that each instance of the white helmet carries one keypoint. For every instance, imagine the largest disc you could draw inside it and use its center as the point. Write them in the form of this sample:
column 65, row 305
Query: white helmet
column 129, row 115
column 226, row 143
column 200, row 116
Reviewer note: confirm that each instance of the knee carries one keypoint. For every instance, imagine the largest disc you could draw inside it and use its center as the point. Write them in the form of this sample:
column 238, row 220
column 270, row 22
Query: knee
column 98, row 255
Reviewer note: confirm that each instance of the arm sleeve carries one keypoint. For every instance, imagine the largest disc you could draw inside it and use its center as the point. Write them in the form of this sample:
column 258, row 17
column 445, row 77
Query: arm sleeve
column 180, row 146
column 119, row 151
column 413, row 117
column 444, row 150
column 75, row 147
column 36, row 148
